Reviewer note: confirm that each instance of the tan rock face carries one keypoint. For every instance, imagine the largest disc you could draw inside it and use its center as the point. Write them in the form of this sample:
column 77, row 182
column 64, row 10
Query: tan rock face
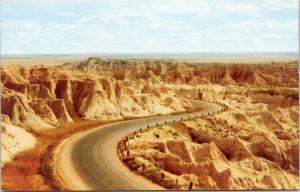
column 254, row 145
column 195, row 74
column 228, row 151
column 39, row 98
column 43, row 110
column 14, row 140
column 16, row 107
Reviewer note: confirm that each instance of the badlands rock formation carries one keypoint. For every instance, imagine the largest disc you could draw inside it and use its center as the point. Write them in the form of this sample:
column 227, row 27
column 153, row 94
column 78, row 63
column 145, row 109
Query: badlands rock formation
column 39, row 98
column 254, row 145
column 247, row 147
column 14, row 140
column 263, row 75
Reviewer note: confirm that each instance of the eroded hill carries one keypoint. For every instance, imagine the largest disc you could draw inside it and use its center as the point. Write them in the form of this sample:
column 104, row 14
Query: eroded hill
column 254, row 145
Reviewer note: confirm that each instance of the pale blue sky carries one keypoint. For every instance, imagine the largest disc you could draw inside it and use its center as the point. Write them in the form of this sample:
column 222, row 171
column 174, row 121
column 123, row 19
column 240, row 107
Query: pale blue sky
column 137, row 26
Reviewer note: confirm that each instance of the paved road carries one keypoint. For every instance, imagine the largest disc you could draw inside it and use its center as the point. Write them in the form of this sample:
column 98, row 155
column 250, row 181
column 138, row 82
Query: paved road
column 89, row 160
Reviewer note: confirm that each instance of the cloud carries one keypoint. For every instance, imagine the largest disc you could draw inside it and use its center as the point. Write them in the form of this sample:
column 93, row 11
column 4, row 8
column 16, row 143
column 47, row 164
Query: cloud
column 51, row 36
column 145, row 25
column 67, row 14
column 179, row 7
column 241, row 8
column 280, row 4
column 271, row 25
column 30, row 2
column 237, row 7
column 275, row 36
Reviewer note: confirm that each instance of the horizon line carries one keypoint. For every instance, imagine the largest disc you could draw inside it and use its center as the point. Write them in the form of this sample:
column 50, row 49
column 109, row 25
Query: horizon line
column 148, row 53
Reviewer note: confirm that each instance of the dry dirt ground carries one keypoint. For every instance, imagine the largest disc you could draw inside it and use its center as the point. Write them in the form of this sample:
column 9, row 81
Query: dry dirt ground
column 254, row 145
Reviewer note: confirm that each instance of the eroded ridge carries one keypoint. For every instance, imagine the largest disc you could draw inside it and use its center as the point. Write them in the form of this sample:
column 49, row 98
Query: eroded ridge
column 48, row 104
column 252, row 145
column 223, row 151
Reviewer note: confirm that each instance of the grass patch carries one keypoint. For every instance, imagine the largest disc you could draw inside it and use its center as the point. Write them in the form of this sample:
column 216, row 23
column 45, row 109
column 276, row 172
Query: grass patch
column 32, row 169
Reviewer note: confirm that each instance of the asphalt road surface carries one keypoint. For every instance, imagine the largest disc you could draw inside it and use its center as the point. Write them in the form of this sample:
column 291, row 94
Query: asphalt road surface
column 89, row 160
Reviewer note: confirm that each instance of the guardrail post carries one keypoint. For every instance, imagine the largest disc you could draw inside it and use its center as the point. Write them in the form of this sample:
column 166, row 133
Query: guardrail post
column 128, row 153
column 125, row 145
column 191, row 185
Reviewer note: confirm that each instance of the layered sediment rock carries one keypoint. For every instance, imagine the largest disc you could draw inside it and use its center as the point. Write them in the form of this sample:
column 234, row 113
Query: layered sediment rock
column 251, row 146
column 254, row 145
column 14, row 140
column 254, row 75
column 40, row 98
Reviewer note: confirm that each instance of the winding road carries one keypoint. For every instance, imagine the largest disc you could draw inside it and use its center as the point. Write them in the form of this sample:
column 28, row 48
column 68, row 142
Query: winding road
column 89, row 160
